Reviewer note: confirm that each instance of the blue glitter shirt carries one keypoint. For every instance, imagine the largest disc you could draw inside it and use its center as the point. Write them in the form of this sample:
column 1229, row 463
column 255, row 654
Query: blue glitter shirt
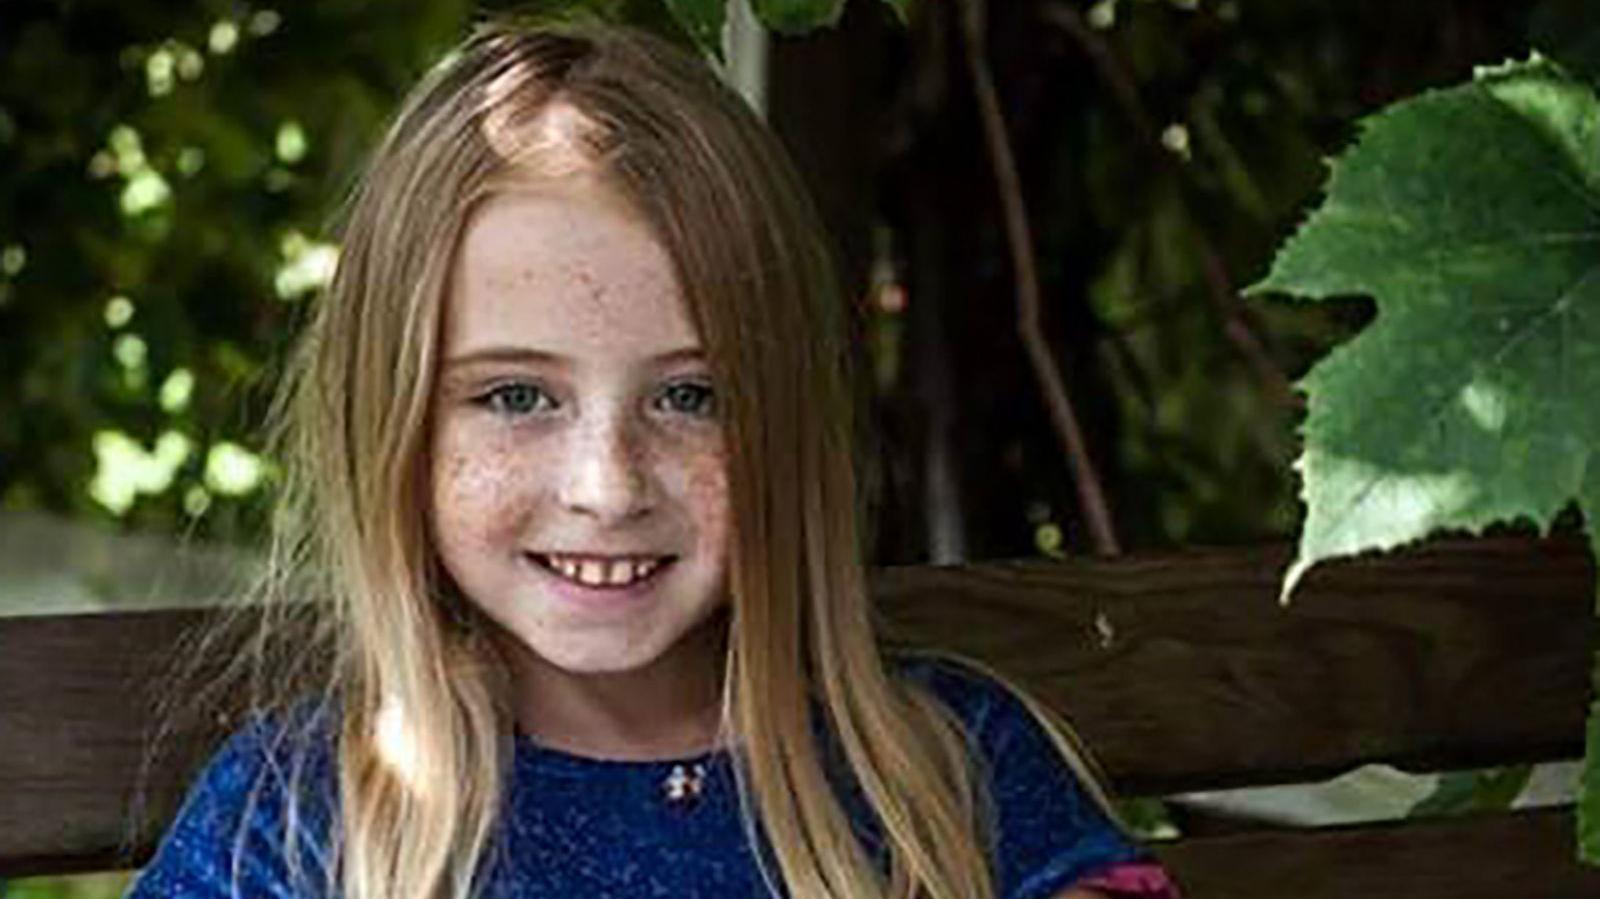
column 599, row 829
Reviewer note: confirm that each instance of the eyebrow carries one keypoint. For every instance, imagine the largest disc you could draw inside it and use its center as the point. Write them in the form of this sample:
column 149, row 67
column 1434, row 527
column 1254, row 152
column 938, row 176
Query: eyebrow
column 514, row 354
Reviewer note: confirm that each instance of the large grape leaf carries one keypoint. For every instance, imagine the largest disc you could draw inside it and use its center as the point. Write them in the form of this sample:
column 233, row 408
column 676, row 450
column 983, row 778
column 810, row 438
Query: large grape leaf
column 1472, row 217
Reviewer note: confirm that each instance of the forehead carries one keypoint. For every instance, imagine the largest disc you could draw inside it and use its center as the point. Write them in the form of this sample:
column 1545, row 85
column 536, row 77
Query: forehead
column 565, row 268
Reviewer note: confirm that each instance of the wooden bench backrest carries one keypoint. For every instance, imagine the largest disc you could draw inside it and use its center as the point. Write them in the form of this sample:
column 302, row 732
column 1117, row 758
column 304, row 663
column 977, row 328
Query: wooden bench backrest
column 1181, row 671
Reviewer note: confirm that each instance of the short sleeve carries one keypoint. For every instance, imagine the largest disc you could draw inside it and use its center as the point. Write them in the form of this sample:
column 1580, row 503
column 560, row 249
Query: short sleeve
column 1049, row 833
column 228, row 839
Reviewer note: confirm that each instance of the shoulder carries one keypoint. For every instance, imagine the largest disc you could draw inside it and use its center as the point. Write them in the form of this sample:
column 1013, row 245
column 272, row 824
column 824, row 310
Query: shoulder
column 990, row 711
column 1050, row 824
column 282, row 756
column 280, row 752
column 268, row 791
column 957, row 683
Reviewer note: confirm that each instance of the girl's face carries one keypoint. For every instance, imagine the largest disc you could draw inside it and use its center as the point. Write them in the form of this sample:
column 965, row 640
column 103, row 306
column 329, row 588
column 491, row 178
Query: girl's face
column 578, row 492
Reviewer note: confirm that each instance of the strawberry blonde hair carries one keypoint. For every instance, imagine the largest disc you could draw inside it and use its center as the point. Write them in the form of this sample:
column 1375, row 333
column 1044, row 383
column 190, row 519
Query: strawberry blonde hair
column 423, row 720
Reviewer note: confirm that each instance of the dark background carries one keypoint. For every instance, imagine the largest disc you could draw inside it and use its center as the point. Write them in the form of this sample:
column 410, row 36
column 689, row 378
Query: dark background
column 1162, row 157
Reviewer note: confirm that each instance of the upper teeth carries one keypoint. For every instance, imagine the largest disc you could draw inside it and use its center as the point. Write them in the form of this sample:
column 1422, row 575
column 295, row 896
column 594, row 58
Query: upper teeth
column 596, row 572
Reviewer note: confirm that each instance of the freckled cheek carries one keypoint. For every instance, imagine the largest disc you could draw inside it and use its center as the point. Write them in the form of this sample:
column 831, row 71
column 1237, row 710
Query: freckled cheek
column 706, row 498
column 478, row 492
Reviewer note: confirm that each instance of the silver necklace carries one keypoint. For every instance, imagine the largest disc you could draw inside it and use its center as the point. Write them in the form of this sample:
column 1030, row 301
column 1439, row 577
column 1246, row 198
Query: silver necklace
column 685, row 784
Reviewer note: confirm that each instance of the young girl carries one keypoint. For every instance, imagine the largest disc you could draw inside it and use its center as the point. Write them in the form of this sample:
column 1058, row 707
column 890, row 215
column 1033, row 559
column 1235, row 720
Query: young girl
column 569, row 506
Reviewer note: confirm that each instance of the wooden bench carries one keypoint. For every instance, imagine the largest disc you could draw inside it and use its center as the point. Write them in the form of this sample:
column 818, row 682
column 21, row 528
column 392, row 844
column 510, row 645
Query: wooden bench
column 1181, row 671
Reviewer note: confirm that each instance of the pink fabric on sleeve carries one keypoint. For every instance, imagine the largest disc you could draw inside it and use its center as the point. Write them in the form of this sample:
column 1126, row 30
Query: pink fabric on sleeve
column 1132, row 880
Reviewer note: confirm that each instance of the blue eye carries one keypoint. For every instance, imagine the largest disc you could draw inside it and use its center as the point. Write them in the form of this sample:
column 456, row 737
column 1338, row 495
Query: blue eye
column 515, row 399
column 690, row 398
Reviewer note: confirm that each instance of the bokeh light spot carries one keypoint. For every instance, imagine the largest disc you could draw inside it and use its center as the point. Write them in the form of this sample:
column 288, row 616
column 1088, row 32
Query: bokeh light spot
column 145, row 191
column 119, row 311
column 265, row 22
column 176, row 391
column 158, row 72
column 124, row 470
column 1048, row 538
column 130, row 351
column 191, row 65
column 1175, row 138
column 128, row 149
column 291, row 142
column 190, row 161
column 12, row 259
column 223, row 37
column 232, row 470
column 102, row 165
column 307, row 265
column 196, row 500
column 1103, row 15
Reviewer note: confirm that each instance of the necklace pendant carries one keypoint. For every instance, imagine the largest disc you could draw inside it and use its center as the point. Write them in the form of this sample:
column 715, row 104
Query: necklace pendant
column 684, row 785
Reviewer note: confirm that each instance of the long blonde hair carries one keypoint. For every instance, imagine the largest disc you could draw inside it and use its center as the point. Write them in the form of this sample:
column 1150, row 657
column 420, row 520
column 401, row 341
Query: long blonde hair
column 424, row 727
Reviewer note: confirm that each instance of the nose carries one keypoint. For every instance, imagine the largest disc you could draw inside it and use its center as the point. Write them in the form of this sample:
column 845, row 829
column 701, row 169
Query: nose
column 605, row 473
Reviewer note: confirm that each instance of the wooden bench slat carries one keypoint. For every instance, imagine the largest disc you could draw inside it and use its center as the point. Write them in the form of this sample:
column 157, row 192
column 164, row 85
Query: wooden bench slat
column 1524, row 854
column 1184, row 673
column 75, row 709
column 1181, row 671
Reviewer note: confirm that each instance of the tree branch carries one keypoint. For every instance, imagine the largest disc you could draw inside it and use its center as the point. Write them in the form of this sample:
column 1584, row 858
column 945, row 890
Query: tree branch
column 1220, row 291
column 1091, row 496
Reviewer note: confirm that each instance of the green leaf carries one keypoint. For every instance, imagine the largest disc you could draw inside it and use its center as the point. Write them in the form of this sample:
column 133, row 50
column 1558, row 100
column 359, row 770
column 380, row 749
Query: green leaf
column 1461, row 792
column 703, row 21
column 1453, row 796
column 797, row 16
column 1472, row 217
column 902, row 10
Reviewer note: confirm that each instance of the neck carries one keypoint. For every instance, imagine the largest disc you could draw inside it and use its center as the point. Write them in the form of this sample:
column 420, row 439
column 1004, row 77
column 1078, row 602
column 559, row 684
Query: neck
column 671, row 708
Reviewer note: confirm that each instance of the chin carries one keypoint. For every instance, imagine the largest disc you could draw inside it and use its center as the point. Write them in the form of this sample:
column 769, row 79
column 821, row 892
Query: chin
column 576, row 655
column 599, row 662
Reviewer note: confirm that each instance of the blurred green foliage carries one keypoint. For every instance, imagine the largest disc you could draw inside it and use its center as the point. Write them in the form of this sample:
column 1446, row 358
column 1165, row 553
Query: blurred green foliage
column 77, row 886
column 1165, row 147
column 165, row 173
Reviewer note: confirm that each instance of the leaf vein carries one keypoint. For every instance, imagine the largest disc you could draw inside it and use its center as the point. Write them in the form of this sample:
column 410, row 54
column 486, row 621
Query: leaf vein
column 1557, row 308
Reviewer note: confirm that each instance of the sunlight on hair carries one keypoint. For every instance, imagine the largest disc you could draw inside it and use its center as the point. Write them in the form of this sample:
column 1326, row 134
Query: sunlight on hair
column 397, row 745
column 553, row 144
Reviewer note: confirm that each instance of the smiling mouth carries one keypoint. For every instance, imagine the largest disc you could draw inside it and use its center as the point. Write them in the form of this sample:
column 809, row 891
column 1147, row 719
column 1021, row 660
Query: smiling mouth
column 602, row 571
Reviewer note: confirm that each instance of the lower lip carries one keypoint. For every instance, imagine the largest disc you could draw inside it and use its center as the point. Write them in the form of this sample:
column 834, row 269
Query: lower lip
column 601, row 594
